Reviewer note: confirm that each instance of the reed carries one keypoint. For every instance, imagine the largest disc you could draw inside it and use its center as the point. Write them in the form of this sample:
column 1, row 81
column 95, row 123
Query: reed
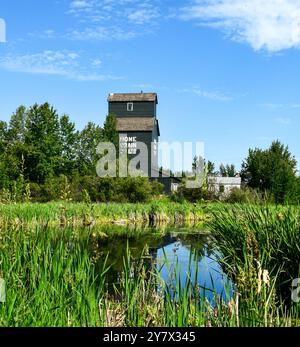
column 261, row 252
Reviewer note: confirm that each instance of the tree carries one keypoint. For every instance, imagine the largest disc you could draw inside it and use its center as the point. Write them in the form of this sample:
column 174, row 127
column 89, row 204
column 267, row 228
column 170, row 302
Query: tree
column 42, row 140
column 3, row 136
column 227, row 171
column 68, row 139
column 272, row 170
column 4, row 179
column 210, row 168
column 13, row 153
column 110, row 133
column 88, row 140
column 16, row 130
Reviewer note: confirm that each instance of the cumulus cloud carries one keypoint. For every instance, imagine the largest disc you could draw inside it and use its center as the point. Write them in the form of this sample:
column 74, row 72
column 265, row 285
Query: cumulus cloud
column 271, row 25
column 59, row 63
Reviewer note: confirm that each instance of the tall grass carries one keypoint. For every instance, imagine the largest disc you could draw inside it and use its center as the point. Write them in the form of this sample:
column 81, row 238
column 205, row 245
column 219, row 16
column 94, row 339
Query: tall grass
column 75, row 214
column 260, row 246
column 52, row 279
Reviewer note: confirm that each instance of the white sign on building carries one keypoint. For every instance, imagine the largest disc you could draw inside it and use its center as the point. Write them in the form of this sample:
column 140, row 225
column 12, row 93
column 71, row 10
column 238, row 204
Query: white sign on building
column 128, row 144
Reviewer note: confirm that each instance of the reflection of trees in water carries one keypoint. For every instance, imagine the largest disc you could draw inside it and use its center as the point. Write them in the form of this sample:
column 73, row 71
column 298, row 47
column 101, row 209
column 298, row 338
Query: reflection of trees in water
column 143, row 248
column 114, row 251
column 199, row 245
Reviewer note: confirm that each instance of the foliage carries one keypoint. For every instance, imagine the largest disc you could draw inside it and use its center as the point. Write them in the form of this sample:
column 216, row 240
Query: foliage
column 228, row 170
column 45, row 158
column 200, row 174
column 255, row 239
column 272, row 170
column 110, row 133
column 210, row 168
column 247, row 195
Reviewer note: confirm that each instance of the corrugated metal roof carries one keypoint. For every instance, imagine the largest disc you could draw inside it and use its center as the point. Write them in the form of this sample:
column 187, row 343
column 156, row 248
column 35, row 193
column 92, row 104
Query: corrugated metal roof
column 136, row 123
column 128, row 97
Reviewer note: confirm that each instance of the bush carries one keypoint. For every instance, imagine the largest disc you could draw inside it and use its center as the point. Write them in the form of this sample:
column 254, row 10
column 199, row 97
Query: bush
column 109, row 189
column 247, row 195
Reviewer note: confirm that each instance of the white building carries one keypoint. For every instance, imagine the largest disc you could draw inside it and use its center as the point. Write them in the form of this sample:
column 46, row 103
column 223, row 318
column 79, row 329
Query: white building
column 223, row 185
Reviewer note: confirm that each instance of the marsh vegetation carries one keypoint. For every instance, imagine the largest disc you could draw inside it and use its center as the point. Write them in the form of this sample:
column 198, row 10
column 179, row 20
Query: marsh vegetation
column 73, row 265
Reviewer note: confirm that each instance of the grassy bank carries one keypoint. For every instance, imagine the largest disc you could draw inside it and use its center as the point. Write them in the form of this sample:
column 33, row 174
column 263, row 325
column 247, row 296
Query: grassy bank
column 82, row 214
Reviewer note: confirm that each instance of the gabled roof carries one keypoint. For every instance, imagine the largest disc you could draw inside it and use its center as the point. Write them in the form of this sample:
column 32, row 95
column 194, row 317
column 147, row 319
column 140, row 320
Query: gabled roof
column 136, row 123
column 128, row 97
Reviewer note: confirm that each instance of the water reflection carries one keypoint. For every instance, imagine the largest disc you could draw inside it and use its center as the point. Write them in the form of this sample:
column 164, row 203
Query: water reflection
column 176, row 252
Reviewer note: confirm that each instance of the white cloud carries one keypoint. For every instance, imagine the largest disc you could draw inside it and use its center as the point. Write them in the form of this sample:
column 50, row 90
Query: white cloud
column 283, row 120
column 101, row 33
column 271, row 25
column 143, row 16
column 113, row 19
column 2, row 30
column 145, row 86
column 275, row 106
column 59, row 63
column 96, row 62
column 80, row 4
column 213, row 95
column 272, row 105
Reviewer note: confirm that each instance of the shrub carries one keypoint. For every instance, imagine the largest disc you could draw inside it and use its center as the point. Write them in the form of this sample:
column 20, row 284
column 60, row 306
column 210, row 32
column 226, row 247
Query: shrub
column 247, row 195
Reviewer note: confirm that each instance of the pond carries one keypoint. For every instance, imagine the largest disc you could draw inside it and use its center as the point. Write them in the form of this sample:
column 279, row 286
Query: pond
column 64, row 268
column 176, row 253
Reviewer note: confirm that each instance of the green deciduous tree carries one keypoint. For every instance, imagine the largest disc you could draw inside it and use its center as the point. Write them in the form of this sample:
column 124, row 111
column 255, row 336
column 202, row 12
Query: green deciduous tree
column 110, row 133
column 88, row 140
column 42, row 140
column 69, row 137
column 272, row 170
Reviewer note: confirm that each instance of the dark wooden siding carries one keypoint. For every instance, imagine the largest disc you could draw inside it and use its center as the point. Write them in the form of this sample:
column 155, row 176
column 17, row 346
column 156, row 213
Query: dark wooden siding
column 146, row 109
column 146, row 138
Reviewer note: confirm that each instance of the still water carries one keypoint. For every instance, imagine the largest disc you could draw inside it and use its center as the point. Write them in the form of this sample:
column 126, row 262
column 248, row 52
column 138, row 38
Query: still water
column 183, row 253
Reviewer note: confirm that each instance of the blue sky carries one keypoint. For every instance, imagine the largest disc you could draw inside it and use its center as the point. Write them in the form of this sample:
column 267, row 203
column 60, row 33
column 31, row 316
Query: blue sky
column 226, row 71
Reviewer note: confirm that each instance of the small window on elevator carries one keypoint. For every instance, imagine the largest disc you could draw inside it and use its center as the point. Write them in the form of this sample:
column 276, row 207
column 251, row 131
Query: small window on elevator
column 130, row 106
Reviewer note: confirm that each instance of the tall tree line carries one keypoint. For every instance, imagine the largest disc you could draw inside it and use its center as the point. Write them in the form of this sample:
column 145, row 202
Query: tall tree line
column 39, row 144
column 43, row 152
